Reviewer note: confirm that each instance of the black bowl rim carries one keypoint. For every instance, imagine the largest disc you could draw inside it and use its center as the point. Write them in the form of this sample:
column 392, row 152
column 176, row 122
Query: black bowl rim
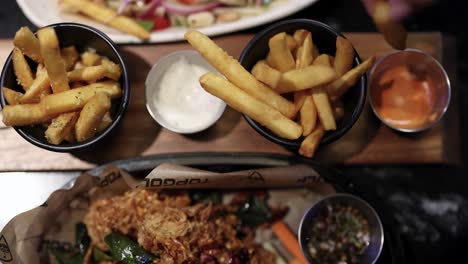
column 330, row 136
column 118, row 116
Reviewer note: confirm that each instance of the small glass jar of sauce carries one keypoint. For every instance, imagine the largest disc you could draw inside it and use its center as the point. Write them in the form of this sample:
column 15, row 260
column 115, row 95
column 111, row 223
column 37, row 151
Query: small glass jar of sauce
column 409, row 90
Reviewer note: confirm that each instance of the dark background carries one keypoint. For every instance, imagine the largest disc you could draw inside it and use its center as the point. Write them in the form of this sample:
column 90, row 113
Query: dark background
column 428, row 204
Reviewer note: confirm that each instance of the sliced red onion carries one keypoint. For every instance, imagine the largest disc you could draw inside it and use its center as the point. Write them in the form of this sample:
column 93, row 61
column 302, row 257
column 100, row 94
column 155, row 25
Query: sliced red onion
column 151, row 8
column 122, row 6
column 181, row 9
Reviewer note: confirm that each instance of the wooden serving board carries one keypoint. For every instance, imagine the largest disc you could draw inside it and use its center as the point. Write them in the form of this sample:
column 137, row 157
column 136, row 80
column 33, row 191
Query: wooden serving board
column 369, row 142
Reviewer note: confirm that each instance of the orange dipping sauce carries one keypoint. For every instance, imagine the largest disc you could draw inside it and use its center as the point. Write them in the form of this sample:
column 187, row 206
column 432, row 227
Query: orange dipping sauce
column 402, row 98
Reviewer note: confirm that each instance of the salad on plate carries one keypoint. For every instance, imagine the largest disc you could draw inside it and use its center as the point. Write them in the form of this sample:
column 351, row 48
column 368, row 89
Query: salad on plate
column 156, row 15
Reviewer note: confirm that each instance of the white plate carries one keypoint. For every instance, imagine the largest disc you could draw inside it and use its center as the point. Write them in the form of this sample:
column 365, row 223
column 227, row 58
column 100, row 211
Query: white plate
column 45, row 12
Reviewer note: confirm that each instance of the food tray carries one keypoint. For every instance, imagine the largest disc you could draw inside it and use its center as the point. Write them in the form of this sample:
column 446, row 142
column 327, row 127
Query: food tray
column 226, row 162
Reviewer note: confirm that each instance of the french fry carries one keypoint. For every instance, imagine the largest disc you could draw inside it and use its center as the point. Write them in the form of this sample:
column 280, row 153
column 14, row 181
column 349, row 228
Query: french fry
column 109, row 17
column 28, row 44
column 324, row 59
column 344, row 56
column 105, row 122
column 60, row 126
column 299, row 98
column 311, row 142
column 75, row 99
column 22, row 70
column 90, row 58
column 338, row 109
column 69, row 56
column 291, row 43
column 113, row 70
column 308, row 116
column 324, row 108
column 300, row 35
column 24, row 114
column 88, row 74
column 236, row 74
column 74, row 85
column 266, row 74
column 12, row 97
column 304, row 57
column 247, row 104
column 339, row 87
column 300, row 79
column 298, row 54
column 394, row 33
column 280, row 57
column 53, row 60
column 91, row 115
column 39, row 86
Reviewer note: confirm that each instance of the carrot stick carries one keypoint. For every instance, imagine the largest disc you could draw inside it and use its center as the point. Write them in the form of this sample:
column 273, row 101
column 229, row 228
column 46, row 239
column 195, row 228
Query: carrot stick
column 289, row 241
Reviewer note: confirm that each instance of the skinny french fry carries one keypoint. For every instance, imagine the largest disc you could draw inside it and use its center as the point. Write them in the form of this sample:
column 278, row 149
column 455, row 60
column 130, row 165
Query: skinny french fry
column 45, row 92
column 266, row 74
column 91, row 116
column 109, row 17
column 304, row 57
column 325, row 60
column 300, row 35
column 90, row 58
column 58, row 128
column 40, row 84
column 280, row 57
column 344, row 56
column 236, row 74
column 300, row 79
column 308, row 115
column 105, row 122
column 88, row 74
column 69, row 56
column 113, row 70
column 245, row 103
column 394, row 33
column 22, row 70
column 75, row 99
column 12, row 97
column 24, row 114
column 324, row 108
column 311, row 142
column 53, row 60
column 339, row 87
column 28, row 44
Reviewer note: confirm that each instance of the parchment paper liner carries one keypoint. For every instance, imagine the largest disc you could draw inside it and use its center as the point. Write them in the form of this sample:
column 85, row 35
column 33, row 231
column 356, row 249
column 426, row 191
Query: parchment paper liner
column 25, row 237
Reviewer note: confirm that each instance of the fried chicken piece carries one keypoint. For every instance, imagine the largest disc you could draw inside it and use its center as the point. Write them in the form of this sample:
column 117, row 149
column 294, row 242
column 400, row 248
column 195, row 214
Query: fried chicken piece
column 167, row 225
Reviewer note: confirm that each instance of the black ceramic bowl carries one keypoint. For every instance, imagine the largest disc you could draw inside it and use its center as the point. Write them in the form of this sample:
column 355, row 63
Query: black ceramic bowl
column 83, row 37
column 324, row 38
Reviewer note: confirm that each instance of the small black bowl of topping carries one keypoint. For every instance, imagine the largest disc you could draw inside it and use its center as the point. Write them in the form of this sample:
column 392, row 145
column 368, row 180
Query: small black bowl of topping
column 342, row 229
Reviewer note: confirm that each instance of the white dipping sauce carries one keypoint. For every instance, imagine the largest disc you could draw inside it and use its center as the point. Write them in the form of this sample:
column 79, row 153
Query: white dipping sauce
column 176, row 99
